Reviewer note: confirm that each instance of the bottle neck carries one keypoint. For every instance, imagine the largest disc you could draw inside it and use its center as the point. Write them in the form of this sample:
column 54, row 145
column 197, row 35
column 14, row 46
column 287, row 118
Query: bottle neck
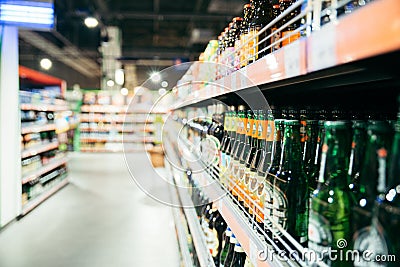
column 334, row 159
column 394, row 172
column 291, row 151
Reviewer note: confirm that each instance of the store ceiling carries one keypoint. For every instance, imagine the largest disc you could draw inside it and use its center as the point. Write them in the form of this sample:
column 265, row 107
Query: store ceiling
column 154, row 32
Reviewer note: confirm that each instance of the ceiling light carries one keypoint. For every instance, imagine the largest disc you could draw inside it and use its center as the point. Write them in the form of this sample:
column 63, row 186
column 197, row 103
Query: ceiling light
column 110, row 83
column 91, row 22
column 164, row 84
column 124, row 91
column 155, row 77
column 46, row 63
column 162, row 91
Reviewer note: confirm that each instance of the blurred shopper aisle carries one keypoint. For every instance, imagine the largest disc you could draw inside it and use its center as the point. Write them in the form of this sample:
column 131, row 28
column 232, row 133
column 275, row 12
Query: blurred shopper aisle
column 100, row 219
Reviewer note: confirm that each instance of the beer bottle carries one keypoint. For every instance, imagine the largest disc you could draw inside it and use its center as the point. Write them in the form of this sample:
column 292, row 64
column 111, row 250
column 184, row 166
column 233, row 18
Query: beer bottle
column 234, row 34
column 331, row 201
column 269, row 169
column 261, row 17
column 389, row 206
column 256, row 185
column 287, row 34
column 229, row 256
column 276, row 11
column 238, row 25
column 309, row 153
column 304, row 116
column 224, row 252
column 357, row 153
column 219, row 227
column 239, row 256
column 373, row 181
column 225, row 141
column 248, row 150
column 228, row 146
column 290, row 187
column 237, row 149
column 248, row 13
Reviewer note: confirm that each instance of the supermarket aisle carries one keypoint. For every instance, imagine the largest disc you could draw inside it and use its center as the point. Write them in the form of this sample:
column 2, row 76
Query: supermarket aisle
column 100, row 219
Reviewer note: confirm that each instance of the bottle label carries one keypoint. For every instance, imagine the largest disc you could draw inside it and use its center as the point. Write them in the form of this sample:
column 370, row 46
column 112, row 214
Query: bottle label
column 247, row 179
column 249, row 126
column 319, row 235
column 303, row 133
column 291, row 39
column 215, row 243
column 268, row 202
column 229, row 59
column 269, row 135
column 280, row 204
column 237, row 54
column 369, row 239
column 262, row 130
column 243, row 50
column 255, row 128
column 260, row 198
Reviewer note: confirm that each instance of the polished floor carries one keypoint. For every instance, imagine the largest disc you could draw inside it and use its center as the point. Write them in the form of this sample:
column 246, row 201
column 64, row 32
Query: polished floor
column 100, row 219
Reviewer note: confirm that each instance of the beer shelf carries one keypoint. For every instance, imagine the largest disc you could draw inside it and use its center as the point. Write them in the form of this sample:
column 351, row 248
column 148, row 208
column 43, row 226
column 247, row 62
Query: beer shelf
column 38, row 128
column 103, row 109
column 38, row 149
column 45, row 195
column 344, row 52
column 121, row 140
column 44, row 169
column 43, row 107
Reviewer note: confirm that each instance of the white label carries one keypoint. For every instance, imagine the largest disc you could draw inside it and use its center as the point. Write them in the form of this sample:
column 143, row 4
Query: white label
column 292, row 59
column 253, row 253
column 323, row 48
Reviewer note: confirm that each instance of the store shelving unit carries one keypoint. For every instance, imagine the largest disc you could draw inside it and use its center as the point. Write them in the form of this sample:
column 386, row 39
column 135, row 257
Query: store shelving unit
column 42, row 133
column 351, row 63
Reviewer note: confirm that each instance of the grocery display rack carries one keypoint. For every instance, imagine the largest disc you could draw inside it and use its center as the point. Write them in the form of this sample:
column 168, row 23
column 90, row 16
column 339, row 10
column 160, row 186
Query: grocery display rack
column 350, row 62
column 42, row 94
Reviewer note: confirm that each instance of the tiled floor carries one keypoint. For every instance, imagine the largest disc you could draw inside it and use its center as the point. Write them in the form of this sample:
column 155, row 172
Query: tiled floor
column 100, row 219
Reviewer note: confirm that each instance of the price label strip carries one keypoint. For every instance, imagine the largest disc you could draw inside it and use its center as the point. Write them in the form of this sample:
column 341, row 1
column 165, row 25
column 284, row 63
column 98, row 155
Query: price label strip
column 292, row 53
column 323, row 48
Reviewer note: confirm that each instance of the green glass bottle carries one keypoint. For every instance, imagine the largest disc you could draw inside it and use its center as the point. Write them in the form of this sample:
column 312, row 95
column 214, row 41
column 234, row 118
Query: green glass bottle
column 357, row 153
column 290, row 187
column 332, row 200
column 239, row 256
column 228, row 147
column 231, row 250
column 225, row 249
column 389, row 206
column 309, row 153
column 269, row 169
column 368, row 232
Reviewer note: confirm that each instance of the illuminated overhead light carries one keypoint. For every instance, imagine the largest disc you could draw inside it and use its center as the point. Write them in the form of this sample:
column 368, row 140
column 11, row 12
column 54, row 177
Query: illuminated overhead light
column 162, row 91
column 30, row 14
column 119, row 76
column 155, row 77
column 110, row 83
column 46, row 63
column 124, row 91
column 91, row 22
column 164, row 84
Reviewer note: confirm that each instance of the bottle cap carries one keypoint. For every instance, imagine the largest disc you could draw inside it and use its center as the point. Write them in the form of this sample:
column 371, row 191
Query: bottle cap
column 237, row 19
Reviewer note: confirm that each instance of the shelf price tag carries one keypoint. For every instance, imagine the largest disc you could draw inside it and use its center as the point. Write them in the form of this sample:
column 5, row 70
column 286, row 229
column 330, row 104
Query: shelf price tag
column 253, row 253
column 322, row 52
column 292, row 54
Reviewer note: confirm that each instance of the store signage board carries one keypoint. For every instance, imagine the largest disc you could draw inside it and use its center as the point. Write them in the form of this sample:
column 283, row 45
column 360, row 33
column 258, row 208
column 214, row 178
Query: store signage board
column 33, row 14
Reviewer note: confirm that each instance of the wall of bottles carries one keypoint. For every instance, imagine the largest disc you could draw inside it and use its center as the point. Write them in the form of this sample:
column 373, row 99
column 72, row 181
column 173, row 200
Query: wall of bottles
column 323, row 176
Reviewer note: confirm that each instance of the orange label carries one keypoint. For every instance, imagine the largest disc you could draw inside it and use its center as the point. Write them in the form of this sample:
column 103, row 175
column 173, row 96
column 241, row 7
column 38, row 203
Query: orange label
column 290, row 39
column 243, row 51
column 270, row 131
column 253, row 45
column 254, row 130
column 262, row 129
column 249, row 127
